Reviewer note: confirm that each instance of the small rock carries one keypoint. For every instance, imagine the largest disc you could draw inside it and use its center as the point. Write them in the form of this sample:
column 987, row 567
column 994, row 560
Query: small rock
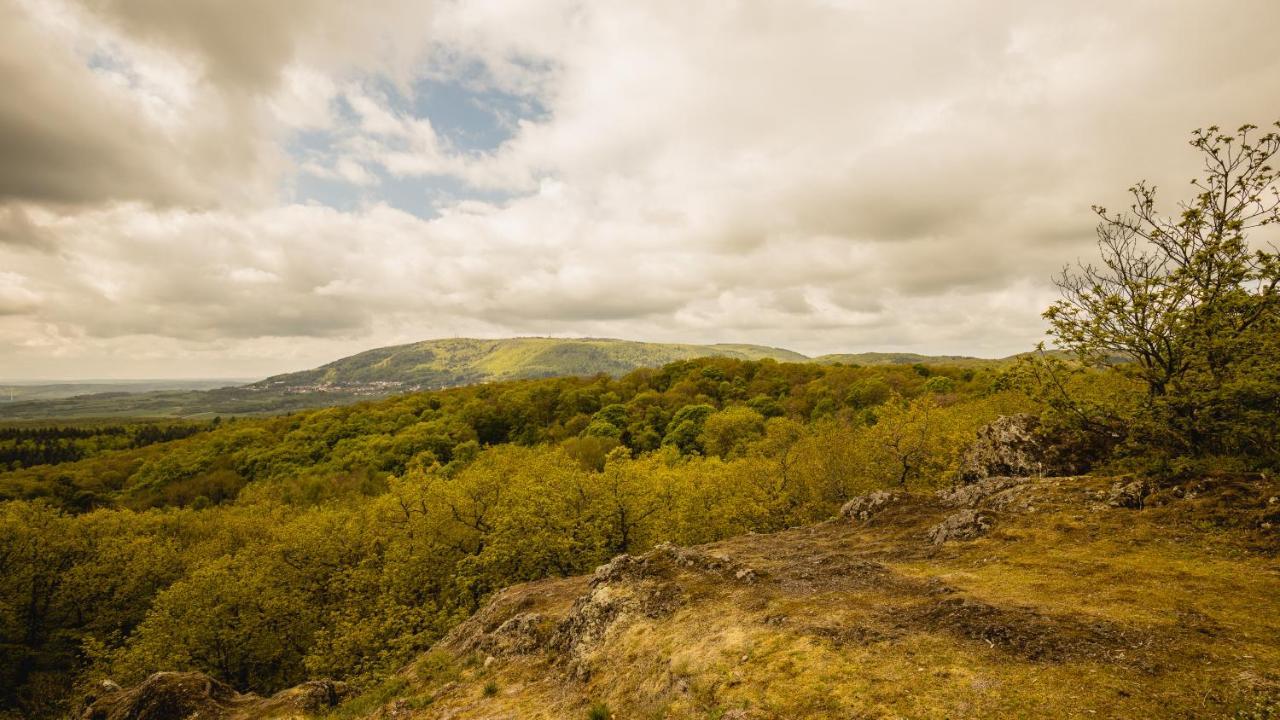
column 863, row 507
column 100, row 689
column 964, row 525
column 107, row 686
column 974, row 493
column 519, row 635
column 489, row 661
column 746, row 575
column 312, row 696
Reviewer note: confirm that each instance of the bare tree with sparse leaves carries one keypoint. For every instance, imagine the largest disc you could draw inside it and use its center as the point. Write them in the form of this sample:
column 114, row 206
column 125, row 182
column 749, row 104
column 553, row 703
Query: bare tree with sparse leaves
column 1188, row 298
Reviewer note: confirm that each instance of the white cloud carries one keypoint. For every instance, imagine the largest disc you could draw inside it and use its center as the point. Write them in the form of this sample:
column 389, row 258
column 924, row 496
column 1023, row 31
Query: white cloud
column 824, row 176
column 15, row 296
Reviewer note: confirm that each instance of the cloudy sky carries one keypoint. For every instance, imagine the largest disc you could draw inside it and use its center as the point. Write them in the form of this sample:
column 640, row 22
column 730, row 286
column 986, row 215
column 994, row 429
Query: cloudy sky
column 232, row 188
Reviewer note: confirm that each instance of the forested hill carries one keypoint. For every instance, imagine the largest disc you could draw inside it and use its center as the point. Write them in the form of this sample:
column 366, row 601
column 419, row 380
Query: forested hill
column 453, row 362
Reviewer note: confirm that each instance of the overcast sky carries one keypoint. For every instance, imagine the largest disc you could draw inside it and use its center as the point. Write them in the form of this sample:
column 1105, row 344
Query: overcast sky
column 201, row 188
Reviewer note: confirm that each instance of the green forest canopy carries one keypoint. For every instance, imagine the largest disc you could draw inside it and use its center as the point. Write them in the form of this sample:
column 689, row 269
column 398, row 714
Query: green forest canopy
column 342, row 541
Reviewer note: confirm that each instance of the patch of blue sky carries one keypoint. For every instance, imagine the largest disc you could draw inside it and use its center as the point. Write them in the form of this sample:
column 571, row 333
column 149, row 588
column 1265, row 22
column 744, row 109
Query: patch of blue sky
column 337, row 194
column 317, row 147
column 425, row 197
column 467, row 111
column 346, row 114
column 105, row 62
column 468, row 114
column 100, row 59
column 310, row 144
column 472, row 118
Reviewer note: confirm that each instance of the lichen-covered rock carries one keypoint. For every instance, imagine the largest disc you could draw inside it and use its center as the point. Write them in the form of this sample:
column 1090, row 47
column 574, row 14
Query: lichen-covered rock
column 660, row 560
column 863, row 507
column 630, row 587
column 313, row 696
column 1009, row 446
column 1129, row 495
column 183, row 695
column 966, row 524
column 1020, row 446
column 522, row 634
column 605, row 606
column 983, row 490
column 516, row 621
column 167, row 696
column 1269, row 518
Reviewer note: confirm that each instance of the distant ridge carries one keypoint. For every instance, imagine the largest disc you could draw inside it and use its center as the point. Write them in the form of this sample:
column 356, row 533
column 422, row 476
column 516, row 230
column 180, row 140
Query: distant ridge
column 463, row 361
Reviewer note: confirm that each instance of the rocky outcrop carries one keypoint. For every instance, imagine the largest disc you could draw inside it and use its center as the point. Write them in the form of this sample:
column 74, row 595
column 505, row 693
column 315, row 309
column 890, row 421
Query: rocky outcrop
column 183, row 695
column 1020, row 446
column 964, row 525
column 166, row 696
column 1008, row 446
column 522, row 634
column 313, row 696
column 631, row 587
column 657, row 563
column 863, row 507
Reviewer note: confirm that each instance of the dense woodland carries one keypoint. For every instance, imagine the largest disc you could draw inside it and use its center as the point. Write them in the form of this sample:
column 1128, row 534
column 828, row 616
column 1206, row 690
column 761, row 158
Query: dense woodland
column 50, row 444
column 342, row 541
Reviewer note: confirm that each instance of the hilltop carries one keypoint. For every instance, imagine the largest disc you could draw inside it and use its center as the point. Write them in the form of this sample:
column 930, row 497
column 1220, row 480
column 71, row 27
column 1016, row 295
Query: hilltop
column 1042, row 597
column 435, row 364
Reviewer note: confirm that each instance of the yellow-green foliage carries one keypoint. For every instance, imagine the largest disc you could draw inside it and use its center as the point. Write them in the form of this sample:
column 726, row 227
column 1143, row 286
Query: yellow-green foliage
column 350, row 450
column 343, row 542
